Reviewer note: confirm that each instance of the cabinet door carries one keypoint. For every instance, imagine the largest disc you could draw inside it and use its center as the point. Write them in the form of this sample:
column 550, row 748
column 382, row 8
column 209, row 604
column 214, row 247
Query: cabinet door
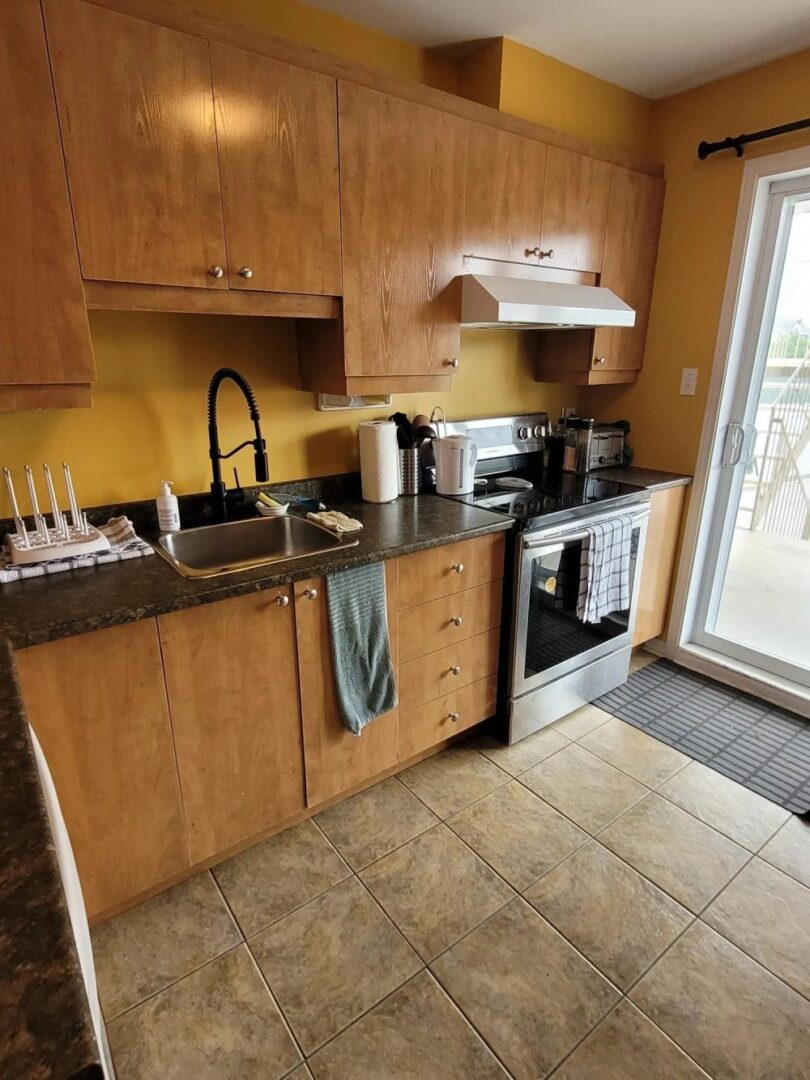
column 402, row 198
column 44, row 336
column 504, row 196
column 575, row 205
column 278, row 160
column 137, row 118
column 660, row 549
column 97, row 703
column 336, row 760
column 233, row 696
column 628, row 267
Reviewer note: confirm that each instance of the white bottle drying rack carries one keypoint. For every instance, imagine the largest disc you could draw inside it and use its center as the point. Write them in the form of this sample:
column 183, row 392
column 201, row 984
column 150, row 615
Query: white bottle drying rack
column 63, row 540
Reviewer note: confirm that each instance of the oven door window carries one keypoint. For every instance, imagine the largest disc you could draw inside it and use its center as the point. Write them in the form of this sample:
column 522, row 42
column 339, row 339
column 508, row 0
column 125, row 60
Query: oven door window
column 554, row 634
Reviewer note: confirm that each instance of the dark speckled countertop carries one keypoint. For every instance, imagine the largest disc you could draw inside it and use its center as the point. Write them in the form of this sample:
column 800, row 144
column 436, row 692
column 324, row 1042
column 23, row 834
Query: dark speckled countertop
column 45, row 1026
column 651, row 479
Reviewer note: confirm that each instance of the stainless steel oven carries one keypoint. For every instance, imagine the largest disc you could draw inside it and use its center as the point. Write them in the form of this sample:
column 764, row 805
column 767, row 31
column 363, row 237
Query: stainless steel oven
column 559, row 662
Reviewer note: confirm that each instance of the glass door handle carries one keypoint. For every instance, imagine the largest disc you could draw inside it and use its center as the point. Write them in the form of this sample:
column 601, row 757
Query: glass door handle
column 732, row 445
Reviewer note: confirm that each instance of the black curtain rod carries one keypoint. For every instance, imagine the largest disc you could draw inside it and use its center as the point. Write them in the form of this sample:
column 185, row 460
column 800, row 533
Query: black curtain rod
column 736, row 142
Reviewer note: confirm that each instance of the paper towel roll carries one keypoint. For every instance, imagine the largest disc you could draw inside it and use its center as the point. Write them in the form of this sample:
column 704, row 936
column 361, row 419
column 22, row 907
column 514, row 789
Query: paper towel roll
column 379, row 461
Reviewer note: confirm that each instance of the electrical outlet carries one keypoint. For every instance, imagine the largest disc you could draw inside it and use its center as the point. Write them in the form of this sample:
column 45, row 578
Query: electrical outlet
column 688, row 381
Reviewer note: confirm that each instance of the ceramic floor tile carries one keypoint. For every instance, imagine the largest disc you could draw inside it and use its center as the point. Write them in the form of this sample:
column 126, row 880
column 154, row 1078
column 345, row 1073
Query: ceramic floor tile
column 435, row 889
column 617, row 918
column 219, row 1023
column 727, row 806
column 518, row 834
column 584, row 788
column 151, row 945
column 375, row 822
column 529, row 994
column 686, row 858
column 278, row 875
column 580, row 722
column 449, row 781
column 790, row 849
column 331, row 960
column 767, row 914
column 727, row 1012
column 522, row 755
column 634, row 752
column 415, row 1034
column 301, row 1073
column 628, row 1046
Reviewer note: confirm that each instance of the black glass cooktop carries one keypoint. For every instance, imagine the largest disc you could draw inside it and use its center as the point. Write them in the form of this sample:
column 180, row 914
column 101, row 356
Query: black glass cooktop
column 565, row 494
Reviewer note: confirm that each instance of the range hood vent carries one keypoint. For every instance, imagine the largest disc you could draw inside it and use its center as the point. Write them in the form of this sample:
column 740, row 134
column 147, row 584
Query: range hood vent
column 522, row 300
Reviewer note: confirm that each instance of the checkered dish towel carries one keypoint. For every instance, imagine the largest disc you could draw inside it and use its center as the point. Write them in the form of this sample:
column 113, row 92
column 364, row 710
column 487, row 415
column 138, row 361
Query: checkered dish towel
column 604, row 571
column 124, row 544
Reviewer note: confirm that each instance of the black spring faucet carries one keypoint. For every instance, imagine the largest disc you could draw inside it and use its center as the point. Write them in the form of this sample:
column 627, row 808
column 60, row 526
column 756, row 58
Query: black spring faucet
column 218, row 490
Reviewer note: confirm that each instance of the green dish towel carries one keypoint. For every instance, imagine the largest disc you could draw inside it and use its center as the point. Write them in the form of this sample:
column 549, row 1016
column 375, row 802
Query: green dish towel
column 361, row 653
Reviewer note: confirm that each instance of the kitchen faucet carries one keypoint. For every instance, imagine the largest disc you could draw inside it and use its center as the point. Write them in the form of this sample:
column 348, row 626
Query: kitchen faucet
column 218, row 490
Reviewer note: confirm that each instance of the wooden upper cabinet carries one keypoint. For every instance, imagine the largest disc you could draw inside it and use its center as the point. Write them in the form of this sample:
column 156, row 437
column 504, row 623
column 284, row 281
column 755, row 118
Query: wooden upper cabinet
column 233, row 695
column 97, row 703
column 137, row 118
column 278, row 160
column 575, row 203
column 628, row 269
column 504, row 196
column 402, row 195
column 45, row 352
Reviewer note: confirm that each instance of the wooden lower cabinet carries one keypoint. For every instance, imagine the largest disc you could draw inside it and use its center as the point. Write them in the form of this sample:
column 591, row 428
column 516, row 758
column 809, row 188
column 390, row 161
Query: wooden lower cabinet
column 336, row 760
column 448, row 620
column 660, row 550
column 442, row 571
column 97, row 703
column 441, row 719
column 233, row 694
column 448, row 669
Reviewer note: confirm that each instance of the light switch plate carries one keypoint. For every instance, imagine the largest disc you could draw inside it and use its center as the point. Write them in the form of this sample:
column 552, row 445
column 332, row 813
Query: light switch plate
column 688, row 381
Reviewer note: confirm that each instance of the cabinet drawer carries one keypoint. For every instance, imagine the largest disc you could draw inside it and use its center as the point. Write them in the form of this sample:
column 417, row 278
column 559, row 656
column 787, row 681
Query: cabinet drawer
column 421, row 728
column 442, row 571
column 451, row 619
column 448, row 670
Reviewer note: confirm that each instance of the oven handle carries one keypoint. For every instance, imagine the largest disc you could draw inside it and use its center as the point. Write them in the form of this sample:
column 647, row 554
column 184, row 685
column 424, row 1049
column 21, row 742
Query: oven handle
column 556, row 543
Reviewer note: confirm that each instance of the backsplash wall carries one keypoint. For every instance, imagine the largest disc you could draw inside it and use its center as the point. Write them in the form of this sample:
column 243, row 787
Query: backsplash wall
column 148, row 422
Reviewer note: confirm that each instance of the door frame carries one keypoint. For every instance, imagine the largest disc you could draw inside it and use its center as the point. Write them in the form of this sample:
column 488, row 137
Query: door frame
column 739, row 299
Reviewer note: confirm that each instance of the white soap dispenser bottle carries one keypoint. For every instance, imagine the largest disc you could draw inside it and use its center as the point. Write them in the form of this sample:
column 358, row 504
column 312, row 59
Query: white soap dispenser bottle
column 168, row 509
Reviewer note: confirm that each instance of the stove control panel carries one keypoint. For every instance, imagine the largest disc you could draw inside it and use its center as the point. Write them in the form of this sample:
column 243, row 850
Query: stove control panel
column 502, row 436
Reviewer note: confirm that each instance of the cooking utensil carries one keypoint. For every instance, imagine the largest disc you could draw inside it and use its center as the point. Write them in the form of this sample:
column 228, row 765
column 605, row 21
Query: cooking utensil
column 420, row 420
column 404, row 430
column 422, row 434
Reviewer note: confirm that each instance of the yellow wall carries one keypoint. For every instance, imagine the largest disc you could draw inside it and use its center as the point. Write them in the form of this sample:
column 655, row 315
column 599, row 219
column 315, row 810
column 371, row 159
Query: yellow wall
column 148, row 421
column 547, row 91
column 699, row 215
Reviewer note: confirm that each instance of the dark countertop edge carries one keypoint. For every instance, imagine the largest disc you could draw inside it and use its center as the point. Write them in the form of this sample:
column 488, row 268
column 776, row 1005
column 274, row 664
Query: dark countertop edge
column 227, row 586
column 46, row 1028
column 649, row 479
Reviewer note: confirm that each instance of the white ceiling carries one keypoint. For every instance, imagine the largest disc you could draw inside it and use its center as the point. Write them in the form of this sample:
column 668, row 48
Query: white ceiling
column 655, row 47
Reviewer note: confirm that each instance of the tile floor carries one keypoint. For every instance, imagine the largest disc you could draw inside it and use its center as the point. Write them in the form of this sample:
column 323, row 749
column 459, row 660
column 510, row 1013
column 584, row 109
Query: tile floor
column 590, row 905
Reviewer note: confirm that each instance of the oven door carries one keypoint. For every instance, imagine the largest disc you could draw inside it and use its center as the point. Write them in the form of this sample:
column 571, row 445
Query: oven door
column 549, row 640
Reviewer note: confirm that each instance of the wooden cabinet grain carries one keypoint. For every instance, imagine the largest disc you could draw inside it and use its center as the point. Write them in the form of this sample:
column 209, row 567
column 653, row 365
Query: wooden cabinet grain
column 336, row 760
column 660, row 550
column 137, row 120
column 97, row 703
column 46, row 359
column 451, row 568
column 575, row 201
column 278, row 159
column 233, row 695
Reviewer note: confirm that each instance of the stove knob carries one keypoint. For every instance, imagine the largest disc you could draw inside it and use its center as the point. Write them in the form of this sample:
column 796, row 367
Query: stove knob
column 538, row 431
column 523, row 432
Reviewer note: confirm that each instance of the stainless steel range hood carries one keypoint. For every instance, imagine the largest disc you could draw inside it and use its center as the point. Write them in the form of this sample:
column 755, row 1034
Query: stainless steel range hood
column 520, row 296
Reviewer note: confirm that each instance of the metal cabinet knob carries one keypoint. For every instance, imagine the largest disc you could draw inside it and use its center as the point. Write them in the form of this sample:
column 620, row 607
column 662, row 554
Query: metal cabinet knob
column 246, row 273
column 458, row 567
column 548, row 254
column 455, row 670
column 282, row 600
column 453, row 362
column 457, row 620
column 311, row 594
column 216, row 272
column 453, row 717
column 532, row 251
column 599, row 359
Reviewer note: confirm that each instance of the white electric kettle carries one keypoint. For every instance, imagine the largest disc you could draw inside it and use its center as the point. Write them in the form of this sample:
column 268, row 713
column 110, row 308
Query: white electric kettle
column 456, row 456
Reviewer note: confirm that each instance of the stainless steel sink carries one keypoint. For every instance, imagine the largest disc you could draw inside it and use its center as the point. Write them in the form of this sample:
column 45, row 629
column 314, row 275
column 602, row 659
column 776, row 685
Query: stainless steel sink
column 239, row 545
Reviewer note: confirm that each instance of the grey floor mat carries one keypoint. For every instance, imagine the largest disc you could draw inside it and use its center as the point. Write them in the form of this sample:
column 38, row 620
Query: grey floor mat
column 759, row 745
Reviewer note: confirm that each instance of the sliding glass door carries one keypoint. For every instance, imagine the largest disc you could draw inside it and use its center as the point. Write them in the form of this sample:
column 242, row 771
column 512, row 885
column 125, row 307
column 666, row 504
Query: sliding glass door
column 754, row 600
